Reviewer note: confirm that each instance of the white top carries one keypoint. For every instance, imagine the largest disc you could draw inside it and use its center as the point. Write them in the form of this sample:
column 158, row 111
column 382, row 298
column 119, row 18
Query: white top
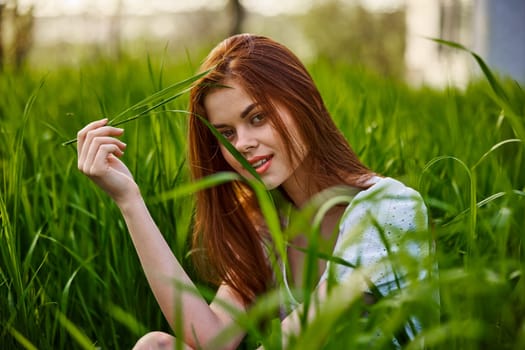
column 377, row 218
column 374, row 222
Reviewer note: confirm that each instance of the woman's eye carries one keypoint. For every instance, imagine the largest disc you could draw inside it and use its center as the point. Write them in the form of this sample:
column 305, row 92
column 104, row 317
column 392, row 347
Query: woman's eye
column 228, row 134
column 258, row 118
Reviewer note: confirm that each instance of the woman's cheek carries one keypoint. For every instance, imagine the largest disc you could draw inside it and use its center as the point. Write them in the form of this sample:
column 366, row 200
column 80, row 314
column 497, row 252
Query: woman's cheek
column 230, row 159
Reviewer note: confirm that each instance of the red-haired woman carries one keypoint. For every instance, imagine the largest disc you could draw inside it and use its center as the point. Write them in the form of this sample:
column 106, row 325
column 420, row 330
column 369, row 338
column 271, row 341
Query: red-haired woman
column 260, row 97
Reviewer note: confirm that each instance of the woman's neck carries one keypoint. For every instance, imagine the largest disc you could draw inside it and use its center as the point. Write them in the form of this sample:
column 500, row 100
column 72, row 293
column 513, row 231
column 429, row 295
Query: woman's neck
column 325, row 244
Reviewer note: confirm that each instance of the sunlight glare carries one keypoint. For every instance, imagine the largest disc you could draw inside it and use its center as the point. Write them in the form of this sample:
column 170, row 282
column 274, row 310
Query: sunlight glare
column 278, row 7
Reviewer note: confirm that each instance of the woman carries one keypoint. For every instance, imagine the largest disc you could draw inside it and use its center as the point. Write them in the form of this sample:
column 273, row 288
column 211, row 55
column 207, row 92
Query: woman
column 260, row 97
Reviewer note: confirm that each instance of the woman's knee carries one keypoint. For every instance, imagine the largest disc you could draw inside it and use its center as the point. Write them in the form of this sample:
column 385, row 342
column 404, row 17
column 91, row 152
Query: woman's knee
column 155, row 340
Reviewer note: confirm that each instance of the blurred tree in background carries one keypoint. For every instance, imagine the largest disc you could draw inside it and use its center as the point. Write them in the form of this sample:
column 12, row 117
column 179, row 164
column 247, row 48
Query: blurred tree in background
column 2, row 6
column 16, row 33
column 237, row 14
column 333, row 29
column 342, row 32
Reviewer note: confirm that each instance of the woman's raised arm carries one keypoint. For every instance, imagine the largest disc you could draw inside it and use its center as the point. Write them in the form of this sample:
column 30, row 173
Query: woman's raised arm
column 98, row 157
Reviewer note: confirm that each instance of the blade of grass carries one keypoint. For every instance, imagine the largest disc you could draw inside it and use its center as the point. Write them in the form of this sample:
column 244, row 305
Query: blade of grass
column 127, row 320
column 152, row 99
column 75, row 332
column 21, row 339
column 494, row 84
column 236, row 154
column 500, row 96
column 495, row 147
column 193, row 187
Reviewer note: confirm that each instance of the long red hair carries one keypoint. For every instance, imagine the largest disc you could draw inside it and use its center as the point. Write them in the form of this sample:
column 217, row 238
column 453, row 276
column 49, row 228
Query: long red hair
column 228, row 246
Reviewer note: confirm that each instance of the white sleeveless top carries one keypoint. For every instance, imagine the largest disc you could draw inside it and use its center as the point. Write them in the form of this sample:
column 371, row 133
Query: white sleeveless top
column 375, row 222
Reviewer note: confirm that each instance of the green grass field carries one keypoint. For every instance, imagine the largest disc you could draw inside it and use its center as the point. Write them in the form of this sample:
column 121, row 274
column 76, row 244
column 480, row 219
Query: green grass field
column 70, row 278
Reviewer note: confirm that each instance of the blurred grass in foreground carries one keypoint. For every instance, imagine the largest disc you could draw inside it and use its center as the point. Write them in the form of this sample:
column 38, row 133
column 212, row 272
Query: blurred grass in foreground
column 69, row 276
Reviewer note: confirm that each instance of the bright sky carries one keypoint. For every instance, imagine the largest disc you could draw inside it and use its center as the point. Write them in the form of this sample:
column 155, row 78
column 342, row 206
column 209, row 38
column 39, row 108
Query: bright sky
column 141, row 7
column 73, row 7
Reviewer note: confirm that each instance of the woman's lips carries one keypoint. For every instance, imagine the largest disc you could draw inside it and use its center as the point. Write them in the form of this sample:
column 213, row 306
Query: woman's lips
column 261, row 164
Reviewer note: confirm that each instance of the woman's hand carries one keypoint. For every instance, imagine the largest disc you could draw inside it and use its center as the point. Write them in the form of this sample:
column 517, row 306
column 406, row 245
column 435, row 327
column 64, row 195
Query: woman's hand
column 98, row 157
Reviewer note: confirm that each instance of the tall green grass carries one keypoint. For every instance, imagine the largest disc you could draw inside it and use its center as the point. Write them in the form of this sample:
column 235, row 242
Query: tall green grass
column 69, row 276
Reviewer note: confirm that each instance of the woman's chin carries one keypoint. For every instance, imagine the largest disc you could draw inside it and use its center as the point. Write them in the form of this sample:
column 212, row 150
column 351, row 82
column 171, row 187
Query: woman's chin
column 270, row 186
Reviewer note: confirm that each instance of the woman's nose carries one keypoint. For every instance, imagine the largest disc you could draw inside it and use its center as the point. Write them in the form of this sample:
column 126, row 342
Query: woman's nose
column 246, row 141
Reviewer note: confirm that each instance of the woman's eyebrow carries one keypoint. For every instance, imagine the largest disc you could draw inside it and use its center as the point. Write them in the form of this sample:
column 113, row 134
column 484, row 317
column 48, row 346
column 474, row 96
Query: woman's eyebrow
column 247, row 110
column 243, row 115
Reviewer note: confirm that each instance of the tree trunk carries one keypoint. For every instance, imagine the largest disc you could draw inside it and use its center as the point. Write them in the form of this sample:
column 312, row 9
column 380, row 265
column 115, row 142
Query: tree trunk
column 24, row 24
column 115, row 32
column 2, row 6
column 237, row 12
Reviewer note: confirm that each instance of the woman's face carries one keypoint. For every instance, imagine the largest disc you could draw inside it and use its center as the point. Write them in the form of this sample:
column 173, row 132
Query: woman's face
column 242, row 122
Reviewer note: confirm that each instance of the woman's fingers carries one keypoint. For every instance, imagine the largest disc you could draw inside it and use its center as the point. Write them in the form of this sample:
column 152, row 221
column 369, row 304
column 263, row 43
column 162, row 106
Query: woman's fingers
column 101, row 159
column 94, row 134
column 98, row 153
column 93, row 147
column 81, row 135
column 109, row 173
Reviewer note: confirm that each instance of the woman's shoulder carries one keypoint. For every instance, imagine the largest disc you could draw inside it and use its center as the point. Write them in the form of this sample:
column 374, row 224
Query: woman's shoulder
column 386, row 214
column 386, row 187
column 387, row 200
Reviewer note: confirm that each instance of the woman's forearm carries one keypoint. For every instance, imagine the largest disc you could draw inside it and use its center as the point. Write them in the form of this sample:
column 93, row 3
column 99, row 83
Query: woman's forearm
column 291, row 324
column 176, row 294
column 99, row 152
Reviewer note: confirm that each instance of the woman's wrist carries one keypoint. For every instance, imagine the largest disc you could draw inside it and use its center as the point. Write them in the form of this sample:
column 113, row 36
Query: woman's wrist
column 130, row 200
